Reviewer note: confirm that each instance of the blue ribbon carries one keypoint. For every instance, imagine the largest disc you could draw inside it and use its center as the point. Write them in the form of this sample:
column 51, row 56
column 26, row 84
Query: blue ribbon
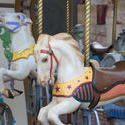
column 56, row 68
column 17, row 24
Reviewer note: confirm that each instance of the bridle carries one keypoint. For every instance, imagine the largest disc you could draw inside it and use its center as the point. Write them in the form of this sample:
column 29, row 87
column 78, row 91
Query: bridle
column 18, row 24
column 52, row 55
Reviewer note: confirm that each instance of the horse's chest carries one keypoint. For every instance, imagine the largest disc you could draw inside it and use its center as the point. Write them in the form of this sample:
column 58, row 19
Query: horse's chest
column 80, row 88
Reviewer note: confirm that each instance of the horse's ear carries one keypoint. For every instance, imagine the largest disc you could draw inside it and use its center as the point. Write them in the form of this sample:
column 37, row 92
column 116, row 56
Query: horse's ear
column 28, row 20
column 24, row 18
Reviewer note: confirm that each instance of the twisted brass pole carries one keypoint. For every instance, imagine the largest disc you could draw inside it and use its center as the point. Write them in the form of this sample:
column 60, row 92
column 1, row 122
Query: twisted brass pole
column 72, row 14
column 40, row 16
column 114, row 22
column 87, row 21
column 67, row 16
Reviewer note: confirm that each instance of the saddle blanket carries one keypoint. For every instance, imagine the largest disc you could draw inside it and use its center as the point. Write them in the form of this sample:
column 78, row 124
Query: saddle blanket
column 84, row 93
column 80, row 88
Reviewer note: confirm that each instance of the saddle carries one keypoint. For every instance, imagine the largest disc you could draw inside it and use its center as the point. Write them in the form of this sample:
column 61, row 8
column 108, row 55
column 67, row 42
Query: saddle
column 97, row 48
column 105, row 79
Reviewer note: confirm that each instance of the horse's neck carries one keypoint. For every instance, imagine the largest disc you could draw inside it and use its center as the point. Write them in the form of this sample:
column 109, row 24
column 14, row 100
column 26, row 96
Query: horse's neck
column 70, row 66
column 21, row 39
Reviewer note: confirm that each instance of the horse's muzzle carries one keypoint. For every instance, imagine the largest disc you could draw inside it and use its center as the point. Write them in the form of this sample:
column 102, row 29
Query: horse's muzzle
column 42, row 83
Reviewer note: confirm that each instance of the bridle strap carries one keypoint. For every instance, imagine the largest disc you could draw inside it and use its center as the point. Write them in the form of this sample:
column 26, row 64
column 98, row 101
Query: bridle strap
column 51, row 53
column 17, row 24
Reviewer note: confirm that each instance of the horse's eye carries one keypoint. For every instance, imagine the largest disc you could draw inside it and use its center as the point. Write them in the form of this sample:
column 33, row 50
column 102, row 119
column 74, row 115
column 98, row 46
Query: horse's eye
column 44, row 60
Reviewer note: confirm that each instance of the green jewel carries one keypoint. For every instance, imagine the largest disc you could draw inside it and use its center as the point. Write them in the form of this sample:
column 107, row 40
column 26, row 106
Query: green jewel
column 50, row 52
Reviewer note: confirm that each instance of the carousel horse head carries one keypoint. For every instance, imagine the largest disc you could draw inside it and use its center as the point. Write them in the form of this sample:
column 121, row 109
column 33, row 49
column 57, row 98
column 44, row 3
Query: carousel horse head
column 51, row 53
column 13, row 21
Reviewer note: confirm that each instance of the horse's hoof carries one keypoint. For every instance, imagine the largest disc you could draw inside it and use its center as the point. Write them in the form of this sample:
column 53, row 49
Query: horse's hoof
column 16, row 92
column 7, row 93
column 11, row 94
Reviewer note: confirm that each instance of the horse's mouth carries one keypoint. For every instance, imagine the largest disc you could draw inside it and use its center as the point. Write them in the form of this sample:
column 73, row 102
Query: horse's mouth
column 42, row 83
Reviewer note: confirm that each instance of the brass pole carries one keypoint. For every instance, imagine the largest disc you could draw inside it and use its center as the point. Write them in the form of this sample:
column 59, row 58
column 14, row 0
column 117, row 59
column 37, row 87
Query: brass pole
column 72, row 14
column 40, row 16
column 33, row 5
column 87, row 20
column 67, row 16
column 114, row 22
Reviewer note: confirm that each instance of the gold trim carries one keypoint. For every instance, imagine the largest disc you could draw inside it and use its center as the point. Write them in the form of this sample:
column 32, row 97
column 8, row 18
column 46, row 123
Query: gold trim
column 23, row 53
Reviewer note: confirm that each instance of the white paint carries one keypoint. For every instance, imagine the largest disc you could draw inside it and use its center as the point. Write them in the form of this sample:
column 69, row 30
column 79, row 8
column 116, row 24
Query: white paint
column 18, row 105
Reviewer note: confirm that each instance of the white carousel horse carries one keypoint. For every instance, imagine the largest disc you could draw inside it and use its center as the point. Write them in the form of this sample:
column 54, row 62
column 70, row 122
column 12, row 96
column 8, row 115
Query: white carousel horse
column 61, row 51
column 22, row 46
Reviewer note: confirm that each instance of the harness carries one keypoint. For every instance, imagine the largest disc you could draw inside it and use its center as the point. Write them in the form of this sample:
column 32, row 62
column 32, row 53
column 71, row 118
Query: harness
column 17, row 24
column 52, row 55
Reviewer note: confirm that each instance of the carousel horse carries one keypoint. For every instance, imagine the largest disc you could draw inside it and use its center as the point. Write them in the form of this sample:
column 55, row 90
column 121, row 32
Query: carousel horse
column 59, row 56
column 20, row 51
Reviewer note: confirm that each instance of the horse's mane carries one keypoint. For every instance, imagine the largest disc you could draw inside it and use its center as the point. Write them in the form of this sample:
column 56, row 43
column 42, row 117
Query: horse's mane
column 68, row 39
column 63, row 39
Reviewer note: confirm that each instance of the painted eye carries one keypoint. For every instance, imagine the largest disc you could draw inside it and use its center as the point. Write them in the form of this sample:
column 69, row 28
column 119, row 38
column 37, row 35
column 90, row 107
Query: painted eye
column 2, row 31
column 44, row 60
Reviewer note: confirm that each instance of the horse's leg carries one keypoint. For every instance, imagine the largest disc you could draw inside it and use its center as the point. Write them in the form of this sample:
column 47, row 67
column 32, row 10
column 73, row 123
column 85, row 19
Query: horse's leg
column 6, row 75
column 21, row 69
column 43, row 113
column 68, row 106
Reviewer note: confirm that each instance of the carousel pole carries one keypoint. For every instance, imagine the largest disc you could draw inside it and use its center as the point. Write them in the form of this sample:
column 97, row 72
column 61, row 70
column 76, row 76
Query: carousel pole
column 114, row 21
column 40, row 29
column 40, row 16
column 86, row 41
column 67, row 16
column 68, row 30
column 72, row 14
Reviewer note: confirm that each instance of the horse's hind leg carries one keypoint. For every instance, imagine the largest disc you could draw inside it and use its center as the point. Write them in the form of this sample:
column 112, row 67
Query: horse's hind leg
column 64, row 107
